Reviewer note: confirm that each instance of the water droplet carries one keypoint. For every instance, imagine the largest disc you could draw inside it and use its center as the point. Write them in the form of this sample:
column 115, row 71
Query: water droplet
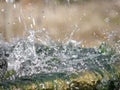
column 14, row 6
column 83, row 46
column 68, row 82
column 14, row 23
column 31, row 25
column 19, row 19
column 44, row 17
column 29, row 17
column 33, row 21
column 2, row 10
column 43, row 28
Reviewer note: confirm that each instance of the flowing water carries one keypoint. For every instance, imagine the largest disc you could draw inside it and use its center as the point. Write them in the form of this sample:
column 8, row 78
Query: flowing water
column 37, row 54
column 41, row 56
column 26, row 57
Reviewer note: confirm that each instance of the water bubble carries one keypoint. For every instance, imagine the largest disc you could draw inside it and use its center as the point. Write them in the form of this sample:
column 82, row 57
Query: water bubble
column 42, row 86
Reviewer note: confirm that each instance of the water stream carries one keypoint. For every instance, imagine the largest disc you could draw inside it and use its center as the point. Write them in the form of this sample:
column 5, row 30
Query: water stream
column 37, row 54
column 27, row 57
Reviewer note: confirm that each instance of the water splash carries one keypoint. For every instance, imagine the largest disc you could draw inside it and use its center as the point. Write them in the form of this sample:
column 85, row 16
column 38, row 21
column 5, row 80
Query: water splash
column 28, row 57
column 36, row 57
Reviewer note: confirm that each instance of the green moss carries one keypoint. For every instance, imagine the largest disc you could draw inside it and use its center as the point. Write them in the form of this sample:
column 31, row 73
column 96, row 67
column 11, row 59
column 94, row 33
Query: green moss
column 105, row 49
column 9, row 73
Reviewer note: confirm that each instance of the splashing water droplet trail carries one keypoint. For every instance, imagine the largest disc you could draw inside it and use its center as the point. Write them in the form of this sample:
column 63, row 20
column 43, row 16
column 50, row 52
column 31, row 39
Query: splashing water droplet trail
column 28, row 57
